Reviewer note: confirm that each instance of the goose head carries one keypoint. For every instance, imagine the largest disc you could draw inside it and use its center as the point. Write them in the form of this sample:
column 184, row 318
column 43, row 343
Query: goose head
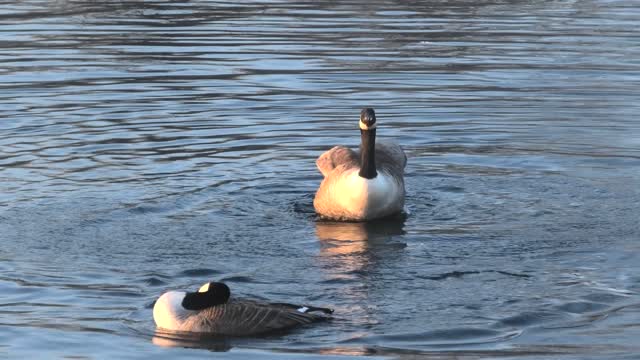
column 367, row 119
column 209, row 294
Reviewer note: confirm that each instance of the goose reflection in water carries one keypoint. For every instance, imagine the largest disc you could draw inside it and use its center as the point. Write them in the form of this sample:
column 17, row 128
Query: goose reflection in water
column 352, row 247
column 350, row 254
column 191, row 340
column 353, row 238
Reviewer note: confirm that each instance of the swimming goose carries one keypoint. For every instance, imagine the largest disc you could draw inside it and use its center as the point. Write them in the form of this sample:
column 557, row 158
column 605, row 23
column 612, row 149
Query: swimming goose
column 362, row 186
column 209, row 310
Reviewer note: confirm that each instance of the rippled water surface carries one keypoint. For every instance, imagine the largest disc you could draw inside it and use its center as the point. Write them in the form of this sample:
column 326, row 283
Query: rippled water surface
column 155, row 145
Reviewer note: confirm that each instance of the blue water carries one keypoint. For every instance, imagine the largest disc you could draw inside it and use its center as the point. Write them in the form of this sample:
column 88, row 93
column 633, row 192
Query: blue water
column 156, row 145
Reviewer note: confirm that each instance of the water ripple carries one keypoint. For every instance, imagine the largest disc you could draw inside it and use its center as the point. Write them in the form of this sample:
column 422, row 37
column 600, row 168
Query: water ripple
column 154, row 145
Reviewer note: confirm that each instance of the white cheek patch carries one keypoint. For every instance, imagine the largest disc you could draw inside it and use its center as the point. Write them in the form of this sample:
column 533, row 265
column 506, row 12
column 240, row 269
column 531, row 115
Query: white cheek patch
column 204, row 288
column 364, row 126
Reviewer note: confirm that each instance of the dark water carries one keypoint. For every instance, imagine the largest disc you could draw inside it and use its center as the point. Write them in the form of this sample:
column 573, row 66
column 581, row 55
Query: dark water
column 154, row 145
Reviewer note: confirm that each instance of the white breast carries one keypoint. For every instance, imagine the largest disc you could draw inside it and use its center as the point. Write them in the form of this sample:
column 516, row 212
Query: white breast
column 368, row 198
column 168, row 312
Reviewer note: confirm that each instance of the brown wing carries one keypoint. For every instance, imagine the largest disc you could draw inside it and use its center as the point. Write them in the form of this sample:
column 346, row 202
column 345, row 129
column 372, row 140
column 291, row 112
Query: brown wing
column 245, row 317
column 338, row 155
column 390, row 156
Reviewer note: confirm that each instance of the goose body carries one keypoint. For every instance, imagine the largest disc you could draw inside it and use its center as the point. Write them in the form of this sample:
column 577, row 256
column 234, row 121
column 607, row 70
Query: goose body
column 364, row 185
column 213, row 312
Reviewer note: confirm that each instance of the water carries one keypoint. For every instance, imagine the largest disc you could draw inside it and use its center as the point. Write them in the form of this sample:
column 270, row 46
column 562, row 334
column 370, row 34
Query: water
column 155, row 145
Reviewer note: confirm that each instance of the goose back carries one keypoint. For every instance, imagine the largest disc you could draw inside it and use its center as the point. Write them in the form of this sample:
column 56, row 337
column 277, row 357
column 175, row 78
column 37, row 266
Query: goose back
column 337, row 156
column 389, row 157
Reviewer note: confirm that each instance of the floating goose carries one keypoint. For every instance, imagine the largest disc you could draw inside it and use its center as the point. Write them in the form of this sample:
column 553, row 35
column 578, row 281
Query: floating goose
column 209, row 310
column 363, row 186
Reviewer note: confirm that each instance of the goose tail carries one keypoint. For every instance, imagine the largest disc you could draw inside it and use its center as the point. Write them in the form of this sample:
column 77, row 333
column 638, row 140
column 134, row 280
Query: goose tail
column 305, row 309
column 310, row 309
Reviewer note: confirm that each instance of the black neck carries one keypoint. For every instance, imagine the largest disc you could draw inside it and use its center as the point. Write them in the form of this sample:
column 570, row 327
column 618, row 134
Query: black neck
column 368, row 154
column 199, row 301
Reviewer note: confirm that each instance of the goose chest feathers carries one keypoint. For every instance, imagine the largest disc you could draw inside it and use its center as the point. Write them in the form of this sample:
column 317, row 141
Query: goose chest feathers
column 364, row 185
column 211, row 310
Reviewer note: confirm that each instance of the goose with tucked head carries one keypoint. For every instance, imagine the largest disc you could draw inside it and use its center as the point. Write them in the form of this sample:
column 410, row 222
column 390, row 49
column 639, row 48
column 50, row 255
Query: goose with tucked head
column 362, row 186
column 211, row 310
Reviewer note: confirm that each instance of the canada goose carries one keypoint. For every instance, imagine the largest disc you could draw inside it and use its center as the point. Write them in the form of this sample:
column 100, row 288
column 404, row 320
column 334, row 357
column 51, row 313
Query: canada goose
column 209, row 310
column 362, row 186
